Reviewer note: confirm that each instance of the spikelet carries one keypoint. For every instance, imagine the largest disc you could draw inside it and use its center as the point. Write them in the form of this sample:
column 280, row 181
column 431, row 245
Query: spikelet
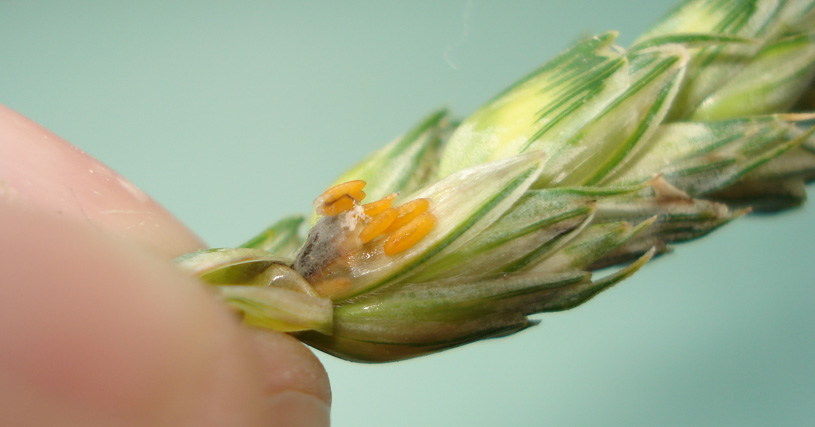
column 603, row 156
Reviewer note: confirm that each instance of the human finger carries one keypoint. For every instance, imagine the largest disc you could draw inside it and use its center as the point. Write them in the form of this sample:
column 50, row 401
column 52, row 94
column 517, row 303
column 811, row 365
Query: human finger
column 40, row 170
column 96, row 332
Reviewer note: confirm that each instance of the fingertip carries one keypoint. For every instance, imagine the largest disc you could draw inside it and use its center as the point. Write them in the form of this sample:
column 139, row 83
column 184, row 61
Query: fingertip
column 288, row 365
column 96, row 332
column 39, row 170
column 297, row 409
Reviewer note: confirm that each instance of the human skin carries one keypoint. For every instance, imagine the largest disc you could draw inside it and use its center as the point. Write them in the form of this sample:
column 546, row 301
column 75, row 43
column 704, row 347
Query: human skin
column 97, row 325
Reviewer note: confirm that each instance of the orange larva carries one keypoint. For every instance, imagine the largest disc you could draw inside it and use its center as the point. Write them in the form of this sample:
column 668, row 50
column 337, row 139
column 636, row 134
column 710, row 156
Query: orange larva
column 406, row 237
column 340, row 198
column 378, row 225
column 375, row 208
column 334, row 193
column 337, row 207
column 357, row 195
column 408, row 212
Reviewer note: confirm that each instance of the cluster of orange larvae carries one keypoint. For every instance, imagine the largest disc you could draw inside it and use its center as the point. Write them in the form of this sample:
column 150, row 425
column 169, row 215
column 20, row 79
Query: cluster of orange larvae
column 400, row 227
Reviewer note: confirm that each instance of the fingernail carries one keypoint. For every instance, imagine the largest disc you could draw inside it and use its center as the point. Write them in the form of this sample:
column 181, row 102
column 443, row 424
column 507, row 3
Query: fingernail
column 296, row 409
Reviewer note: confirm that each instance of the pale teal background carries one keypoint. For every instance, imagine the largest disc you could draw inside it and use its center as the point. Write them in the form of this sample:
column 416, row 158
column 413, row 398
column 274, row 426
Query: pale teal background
column 233, row 114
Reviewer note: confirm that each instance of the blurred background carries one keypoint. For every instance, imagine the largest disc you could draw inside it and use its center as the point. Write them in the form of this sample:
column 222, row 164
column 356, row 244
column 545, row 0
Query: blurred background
column 234, row 114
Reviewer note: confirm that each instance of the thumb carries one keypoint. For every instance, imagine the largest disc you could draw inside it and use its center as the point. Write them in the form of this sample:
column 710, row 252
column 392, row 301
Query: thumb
column 97, row 332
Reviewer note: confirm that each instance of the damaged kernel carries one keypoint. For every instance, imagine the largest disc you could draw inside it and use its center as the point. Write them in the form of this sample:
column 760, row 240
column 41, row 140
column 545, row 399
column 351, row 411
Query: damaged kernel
column 330, row 287
column 349, row 235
